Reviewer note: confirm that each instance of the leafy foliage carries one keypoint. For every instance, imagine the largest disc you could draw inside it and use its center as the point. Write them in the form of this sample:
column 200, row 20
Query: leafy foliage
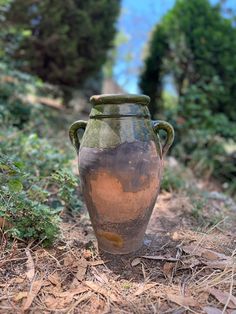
column 18, row 99
column 13, row 108
column 172, row 179
column 197, row 45
column 203, row 138
column 62, row 42
column 151, row 82
column 36, row 183
column 25, row 217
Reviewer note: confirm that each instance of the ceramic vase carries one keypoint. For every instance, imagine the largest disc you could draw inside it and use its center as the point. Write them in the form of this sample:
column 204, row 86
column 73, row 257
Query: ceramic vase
column 120, row 160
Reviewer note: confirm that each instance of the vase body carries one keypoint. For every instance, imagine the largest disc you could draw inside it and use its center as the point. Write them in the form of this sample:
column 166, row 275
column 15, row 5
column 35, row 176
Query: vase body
column 120, row 165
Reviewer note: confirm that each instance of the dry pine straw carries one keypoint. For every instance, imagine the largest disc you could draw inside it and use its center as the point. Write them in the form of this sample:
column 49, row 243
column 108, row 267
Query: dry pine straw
column 178, row 270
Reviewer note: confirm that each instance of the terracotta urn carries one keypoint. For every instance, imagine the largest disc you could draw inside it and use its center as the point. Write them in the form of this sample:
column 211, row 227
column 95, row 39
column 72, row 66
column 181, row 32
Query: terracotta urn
column 120, row 165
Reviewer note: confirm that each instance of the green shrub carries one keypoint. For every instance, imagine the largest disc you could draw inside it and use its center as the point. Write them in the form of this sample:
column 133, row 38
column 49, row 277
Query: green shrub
column 203, row 137
column 36, row 182
column 187, row 50
column 172, row 179
column 67, row 185
column 196, row 45
column 13, row 110
column 62, row 42
column 26, row 217
column 35, row 186
column 18, row 106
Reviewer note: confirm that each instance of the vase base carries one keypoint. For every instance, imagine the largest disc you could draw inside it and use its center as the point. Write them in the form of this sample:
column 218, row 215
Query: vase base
column 119, row 251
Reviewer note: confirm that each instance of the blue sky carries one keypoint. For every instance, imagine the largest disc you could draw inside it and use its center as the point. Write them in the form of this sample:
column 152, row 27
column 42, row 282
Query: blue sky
column 137, row 19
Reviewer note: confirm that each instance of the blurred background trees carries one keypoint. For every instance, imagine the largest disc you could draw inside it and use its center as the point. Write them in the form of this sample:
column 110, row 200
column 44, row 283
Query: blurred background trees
column 195, row 45
column 188, row 71
column 65, row 43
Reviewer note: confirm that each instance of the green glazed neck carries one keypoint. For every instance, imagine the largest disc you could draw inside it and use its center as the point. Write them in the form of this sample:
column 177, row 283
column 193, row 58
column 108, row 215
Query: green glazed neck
column 119, row 99
column 119, row 106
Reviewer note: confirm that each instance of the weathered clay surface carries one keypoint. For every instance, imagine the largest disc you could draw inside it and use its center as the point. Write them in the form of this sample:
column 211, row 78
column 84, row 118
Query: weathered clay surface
column 120, row 186
column 120, row 164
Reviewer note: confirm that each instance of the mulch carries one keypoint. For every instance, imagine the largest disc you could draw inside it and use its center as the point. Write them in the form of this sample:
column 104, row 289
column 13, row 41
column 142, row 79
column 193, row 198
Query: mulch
column 183, row 267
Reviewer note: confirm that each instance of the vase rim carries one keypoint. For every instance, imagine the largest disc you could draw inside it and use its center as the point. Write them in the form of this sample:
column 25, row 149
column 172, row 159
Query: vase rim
column 119, row 99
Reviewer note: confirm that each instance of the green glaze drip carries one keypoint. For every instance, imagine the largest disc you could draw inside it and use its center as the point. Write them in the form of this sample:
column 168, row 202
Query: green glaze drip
column 110, row 132
column 118, row 119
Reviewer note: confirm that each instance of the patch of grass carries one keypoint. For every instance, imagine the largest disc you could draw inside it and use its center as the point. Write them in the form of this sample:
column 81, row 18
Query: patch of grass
column 127, row 285
column 30, row 205
column 172, row 179
column 202, row 211
column 197, row 209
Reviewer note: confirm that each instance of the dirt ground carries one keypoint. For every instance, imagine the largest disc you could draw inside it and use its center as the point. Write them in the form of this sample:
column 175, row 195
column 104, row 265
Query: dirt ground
column 187, row 265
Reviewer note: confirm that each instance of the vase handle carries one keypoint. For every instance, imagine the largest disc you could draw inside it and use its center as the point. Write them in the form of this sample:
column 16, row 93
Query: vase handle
column 163, row 125
column 73, row 132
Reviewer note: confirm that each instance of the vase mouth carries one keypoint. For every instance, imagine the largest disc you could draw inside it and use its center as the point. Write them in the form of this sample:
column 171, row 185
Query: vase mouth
column 119, row 99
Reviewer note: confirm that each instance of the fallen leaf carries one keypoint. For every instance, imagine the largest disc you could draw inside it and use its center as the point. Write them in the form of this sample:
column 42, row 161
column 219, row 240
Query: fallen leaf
column 30, row 266
column 203, row 297
column 19, row 280
column 59, row 303
column 97, row 305
column 82, row 298
column 190, row 262
column 212, row 310
column 192, row 250
column 212, row 255
column 20, row 295
column 81, row 269
column 47, row 283
column 70, row 261
column 210, row 258
column 182, row 300
column 61, row 248
column 55, row 279
column 166, row 196
column 144, row 288
column 135, row 262
column 175, row 236
column 98, row 289
column 168, row 269
column 161, row 258
column 87, row 254
column 34, row 290
column 96, row 263
column 223, row 297
column 218, row 264
column 101, row 278
column 70, row 292
column 202, row 252
column 54, row 303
